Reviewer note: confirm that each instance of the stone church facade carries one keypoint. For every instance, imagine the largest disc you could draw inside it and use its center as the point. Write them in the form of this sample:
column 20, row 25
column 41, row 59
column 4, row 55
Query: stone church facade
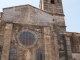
column 30, row 33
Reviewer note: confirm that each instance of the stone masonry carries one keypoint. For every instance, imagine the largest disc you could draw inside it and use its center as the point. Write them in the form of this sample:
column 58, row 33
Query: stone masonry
column 30, row 33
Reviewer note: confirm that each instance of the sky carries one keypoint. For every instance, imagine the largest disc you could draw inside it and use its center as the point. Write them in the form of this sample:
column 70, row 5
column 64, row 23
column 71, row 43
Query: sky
column 71, row 11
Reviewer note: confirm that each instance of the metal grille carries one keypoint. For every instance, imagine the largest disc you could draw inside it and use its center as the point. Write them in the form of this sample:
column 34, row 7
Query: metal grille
column 26, row 38
column 13, row 54
column 39, row 55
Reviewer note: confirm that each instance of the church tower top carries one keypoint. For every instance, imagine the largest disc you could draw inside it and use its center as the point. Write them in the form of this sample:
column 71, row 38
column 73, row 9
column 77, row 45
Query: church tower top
column 52, row 6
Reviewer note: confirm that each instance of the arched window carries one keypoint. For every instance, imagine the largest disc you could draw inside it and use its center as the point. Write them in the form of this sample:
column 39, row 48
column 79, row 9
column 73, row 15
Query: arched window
column 0, row 52
column 13, row 54
column 39, row 55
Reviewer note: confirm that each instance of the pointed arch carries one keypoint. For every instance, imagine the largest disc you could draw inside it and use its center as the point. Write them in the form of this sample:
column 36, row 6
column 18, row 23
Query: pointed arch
column 38, row 55
column 13, row 54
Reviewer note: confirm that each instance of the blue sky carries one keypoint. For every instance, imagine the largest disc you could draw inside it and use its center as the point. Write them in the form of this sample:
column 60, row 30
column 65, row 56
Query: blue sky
column 71, row 10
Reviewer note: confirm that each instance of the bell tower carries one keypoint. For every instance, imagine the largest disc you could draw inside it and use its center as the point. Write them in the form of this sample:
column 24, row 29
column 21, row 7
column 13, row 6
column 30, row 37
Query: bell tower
column 52, row 6
column 62, row 50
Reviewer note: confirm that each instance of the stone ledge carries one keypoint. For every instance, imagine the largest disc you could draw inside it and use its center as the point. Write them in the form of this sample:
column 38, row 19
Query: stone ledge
column 71, row 33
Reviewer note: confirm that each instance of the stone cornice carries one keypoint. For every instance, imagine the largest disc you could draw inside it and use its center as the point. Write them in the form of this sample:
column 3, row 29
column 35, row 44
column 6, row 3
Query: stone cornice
column 71, row 33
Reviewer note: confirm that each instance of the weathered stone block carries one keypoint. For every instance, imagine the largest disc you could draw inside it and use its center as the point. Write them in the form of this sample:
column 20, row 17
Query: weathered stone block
column 27, row 14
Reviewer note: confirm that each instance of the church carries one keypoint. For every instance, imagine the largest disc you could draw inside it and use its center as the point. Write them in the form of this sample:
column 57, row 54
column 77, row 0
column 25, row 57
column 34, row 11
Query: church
column 30, row 33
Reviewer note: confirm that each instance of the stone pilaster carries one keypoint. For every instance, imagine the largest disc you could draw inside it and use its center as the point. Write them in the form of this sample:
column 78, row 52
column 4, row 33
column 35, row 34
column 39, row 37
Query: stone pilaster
column 7, row 39
column 60, row 43
column 56, row 47
column 69, row 52
column 47, row 41
column 75, row 42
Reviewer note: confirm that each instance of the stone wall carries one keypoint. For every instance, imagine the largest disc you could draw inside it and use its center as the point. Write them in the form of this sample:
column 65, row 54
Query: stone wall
column 27, row 14
column 73, row 44
column 22, row 50
column 49, row 30
column 1, row 35
column 46, row 5
column 75, row 41
column 1, row 31
column 7, row 40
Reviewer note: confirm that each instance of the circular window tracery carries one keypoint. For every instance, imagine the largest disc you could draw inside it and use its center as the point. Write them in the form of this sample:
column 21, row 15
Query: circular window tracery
column 27, row 38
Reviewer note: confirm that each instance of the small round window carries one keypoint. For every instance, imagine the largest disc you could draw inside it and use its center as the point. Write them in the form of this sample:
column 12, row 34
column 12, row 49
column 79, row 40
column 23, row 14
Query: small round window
column 27, row 38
